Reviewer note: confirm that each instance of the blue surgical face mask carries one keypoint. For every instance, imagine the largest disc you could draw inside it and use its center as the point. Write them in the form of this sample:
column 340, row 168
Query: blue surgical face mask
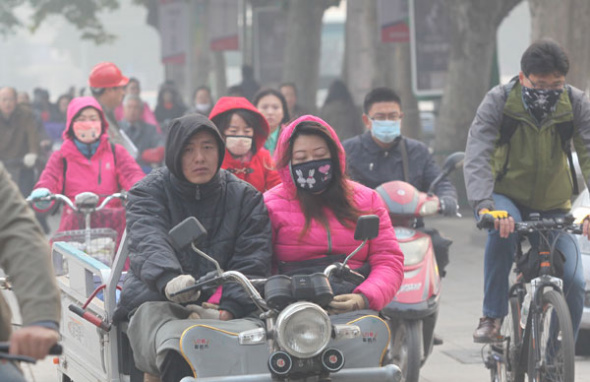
column 386, row 131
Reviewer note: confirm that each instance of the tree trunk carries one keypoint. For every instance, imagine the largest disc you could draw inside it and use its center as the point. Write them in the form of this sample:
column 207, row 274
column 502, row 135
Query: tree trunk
column 302, row 48
column 565, row 21
column 400, row 64
column 219, row 67
column 369, row 63
column 360, row 48
column 200, row 67
column 473, row 43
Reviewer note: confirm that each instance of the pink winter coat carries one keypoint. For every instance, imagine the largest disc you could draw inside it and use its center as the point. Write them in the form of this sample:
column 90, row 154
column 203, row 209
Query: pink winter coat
column 103, row 174
column 287, row 219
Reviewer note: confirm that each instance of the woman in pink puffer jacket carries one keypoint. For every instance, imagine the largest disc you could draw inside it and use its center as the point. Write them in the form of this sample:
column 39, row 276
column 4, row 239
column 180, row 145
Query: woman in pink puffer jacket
column 93, row 165
column 314, row 211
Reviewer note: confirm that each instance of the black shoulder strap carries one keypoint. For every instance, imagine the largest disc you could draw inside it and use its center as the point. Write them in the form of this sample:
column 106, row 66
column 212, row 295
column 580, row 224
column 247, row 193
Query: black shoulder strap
column 509, row 124
column 404, row 151
column 65, row 169
column 507, row 129
column 566, row 133
column 114, row 153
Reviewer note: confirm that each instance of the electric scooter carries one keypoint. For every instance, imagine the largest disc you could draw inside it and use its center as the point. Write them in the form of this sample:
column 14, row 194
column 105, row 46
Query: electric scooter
column 414, row 309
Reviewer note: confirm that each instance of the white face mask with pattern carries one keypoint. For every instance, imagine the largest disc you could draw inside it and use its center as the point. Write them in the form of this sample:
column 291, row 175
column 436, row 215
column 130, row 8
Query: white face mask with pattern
column 238, row 145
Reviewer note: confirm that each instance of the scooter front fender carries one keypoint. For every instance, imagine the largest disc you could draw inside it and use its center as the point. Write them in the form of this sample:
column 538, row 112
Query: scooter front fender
column 371, row 374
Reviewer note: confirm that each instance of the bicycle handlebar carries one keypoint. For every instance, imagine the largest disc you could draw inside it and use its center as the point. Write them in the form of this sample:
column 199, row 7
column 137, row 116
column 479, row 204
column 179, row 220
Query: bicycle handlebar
column 56, row 349
column 68, row 201
column 118, row 195
column 565, row 223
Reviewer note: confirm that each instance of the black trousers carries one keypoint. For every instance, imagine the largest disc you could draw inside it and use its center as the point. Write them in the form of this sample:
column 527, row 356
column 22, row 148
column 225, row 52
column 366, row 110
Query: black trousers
column 175, row 368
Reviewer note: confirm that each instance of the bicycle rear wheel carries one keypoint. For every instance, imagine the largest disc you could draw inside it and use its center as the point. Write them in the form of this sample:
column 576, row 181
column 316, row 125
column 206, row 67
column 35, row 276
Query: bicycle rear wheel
column 555, row 341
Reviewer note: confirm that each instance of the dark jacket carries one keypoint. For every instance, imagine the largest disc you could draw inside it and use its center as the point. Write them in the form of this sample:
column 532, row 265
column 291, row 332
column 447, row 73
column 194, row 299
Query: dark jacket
column 165, row 116
column 144, row 136
column 231, row 210
column 344, row 117
column 372, row 166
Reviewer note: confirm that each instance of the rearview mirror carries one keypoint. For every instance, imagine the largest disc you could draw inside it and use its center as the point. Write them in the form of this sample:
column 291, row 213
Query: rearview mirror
column 367, row 227
column 453, row 162
column 190, row 230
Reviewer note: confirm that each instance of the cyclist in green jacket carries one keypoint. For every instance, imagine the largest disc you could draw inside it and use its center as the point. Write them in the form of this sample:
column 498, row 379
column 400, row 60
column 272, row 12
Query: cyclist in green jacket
column 517, row 161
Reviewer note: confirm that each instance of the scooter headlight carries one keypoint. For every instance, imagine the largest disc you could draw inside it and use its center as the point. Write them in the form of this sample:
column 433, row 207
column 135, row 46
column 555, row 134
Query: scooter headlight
column 414, row 250
column 303, row 329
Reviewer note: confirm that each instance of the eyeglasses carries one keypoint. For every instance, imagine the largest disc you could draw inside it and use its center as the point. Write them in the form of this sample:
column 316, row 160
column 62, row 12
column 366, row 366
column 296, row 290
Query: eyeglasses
column 386, row 117
column 543, row 86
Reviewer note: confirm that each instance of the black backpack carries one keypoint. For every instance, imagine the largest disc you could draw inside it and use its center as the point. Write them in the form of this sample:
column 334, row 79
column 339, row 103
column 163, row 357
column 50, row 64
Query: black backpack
column 564, row 129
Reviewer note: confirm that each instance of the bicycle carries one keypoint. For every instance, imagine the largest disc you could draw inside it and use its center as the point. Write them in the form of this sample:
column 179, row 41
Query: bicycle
column 540, row 344
column 99, row 243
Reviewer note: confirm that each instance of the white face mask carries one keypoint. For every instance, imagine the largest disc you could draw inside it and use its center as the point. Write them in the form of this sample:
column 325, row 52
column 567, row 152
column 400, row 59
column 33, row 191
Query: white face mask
column 238, row 145
column 202, row 106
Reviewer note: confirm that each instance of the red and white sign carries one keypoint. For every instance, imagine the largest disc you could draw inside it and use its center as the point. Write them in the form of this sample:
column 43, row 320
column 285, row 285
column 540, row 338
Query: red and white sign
column 173, row 28
column 223, row 25
column 393, row 20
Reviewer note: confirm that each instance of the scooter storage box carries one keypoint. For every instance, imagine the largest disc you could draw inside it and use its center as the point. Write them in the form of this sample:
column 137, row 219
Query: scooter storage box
column 282, row 290
column 322, row 289
column 277, row 291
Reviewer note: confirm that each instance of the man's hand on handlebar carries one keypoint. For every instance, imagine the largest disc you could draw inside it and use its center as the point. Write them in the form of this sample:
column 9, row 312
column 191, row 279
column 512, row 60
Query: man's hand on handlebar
column 179, row 283
column 33, row 341
column 503, row 222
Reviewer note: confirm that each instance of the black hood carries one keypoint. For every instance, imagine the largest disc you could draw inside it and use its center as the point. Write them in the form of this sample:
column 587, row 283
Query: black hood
column 181, row 130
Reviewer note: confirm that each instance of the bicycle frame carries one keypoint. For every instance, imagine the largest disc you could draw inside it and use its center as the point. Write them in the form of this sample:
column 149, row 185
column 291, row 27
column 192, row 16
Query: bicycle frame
column 528, row 339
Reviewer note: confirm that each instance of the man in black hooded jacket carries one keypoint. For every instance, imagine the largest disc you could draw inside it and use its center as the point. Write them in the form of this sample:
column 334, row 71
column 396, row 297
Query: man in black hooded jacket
column 239, row 238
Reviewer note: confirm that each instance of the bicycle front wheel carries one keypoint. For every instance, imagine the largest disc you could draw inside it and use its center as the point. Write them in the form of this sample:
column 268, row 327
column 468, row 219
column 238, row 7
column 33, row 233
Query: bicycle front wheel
column 551, row 359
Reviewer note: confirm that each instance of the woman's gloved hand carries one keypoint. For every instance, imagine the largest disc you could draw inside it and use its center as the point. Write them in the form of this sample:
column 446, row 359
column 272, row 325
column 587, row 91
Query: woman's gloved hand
column 40, row 193
column 29, row 160
column 179, row 283
column 347, row 303
column 448, row 206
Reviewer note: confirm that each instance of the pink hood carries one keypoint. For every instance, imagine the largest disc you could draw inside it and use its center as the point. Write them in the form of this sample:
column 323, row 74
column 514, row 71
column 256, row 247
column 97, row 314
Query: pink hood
column 283, row 145
column 75, row 106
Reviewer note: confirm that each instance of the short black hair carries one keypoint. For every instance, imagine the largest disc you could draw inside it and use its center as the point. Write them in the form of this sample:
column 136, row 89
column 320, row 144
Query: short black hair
column 202, row 87
column 544, row 56
column 234, row 91
column 289, row 84
column 381, row 94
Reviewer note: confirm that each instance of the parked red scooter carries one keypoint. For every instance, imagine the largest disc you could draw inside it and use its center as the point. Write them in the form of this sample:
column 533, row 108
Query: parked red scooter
column 414, row 309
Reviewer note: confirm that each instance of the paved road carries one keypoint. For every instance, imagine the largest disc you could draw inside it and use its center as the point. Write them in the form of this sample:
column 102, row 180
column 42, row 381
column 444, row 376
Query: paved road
column 458, row 359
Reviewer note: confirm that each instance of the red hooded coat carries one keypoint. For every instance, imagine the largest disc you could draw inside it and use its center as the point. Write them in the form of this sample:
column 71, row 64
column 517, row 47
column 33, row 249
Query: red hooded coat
column 259, row 170
column 287, row 219
column 105, row 173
